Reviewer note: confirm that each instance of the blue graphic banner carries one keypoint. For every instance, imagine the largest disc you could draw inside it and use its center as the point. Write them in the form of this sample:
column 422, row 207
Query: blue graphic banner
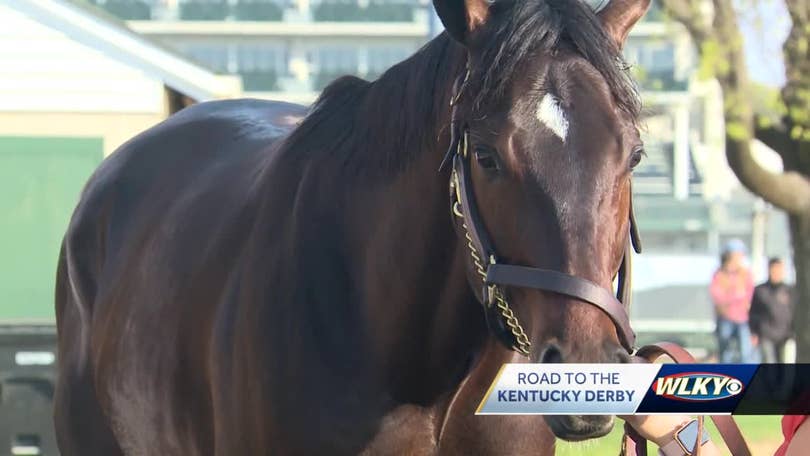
column 620, row 389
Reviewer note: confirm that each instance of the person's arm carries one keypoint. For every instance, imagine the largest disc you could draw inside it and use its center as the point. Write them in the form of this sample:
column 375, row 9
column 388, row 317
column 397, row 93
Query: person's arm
column 660, row 429
column 800, row 442
column 756, row 313
column 718, row 290
column 749, row 287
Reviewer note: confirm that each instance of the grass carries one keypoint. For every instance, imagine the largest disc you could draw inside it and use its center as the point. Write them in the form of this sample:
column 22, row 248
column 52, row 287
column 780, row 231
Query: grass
column 763, row 434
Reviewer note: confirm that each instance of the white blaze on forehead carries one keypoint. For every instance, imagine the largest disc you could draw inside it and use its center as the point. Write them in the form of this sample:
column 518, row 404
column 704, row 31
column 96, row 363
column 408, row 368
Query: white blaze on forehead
column 550, row 114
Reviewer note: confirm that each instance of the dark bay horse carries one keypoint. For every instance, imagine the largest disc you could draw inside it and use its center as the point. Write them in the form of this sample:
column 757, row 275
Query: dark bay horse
column 253, row 278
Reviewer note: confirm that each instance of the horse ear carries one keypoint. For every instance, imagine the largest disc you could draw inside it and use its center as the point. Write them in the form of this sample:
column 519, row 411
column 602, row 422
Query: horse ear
column 619, row 16
column 461, row 18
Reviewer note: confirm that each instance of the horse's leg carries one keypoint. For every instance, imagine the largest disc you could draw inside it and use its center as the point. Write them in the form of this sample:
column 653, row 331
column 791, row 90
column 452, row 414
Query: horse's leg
column 81, row 427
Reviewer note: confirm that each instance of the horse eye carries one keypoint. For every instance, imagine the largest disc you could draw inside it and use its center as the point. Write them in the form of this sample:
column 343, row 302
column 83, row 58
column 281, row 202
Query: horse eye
column 635, row 158
column 486, row 158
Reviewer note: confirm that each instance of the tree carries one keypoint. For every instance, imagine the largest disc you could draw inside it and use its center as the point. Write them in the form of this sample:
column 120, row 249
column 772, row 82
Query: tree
column 715, row 30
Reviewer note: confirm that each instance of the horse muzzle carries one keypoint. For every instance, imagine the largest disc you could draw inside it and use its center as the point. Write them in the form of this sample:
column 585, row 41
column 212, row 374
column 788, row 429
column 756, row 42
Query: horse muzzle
column 575, row 428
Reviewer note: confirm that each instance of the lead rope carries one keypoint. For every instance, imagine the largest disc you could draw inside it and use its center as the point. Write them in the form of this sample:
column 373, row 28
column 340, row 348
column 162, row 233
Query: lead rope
column 523, row 344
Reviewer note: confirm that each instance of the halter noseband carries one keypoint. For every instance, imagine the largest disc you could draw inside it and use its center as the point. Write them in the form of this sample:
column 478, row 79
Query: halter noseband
column 501, row 320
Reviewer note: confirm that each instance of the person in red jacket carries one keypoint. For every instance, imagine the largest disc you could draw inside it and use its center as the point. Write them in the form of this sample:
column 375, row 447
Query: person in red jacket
column 731, row 290
column 796, row 430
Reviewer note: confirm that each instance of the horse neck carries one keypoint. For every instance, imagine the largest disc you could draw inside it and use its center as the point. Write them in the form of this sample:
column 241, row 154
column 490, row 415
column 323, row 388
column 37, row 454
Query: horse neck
column 426, row 321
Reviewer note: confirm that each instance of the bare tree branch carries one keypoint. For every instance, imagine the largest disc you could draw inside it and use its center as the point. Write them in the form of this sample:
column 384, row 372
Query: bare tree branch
column 789, row 191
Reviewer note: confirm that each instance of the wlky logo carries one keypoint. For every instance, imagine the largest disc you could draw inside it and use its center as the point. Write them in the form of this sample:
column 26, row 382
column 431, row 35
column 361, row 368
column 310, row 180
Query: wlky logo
column 697, row 386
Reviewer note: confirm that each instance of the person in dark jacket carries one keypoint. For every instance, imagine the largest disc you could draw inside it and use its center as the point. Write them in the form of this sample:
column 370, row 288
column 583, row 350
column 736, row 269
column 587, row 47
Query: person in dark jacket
column 771, row 315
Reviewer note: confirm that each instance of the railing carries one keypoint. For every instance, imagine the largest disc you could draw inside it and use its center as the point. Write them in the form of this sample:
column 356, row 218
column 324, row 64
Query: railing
column 220, row 10
column 346, row 11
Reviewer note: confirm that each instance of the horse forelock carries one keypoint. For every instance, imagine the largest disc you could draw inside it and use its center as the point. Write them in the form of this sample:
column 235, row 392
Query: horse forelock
column 519, row 30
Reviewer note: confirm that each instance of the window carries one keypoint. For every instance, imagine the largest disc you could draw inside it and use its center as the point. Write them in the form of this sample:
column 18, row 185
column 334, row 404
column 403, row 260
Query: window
column 253, row 57
column 380, row 59
column 203, row 10
column 654, row 64
column 364, row 10
column 130, row 10
column 260, row 66
column 336, row 59
column 662, row 57
column 213, row 56
column 329, row 63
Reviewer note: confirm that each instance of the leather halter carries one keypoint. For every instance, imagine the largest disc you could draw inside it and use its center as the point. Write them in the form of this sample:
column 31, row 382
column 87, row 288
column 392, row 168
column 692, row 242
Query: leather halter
column 502, row 322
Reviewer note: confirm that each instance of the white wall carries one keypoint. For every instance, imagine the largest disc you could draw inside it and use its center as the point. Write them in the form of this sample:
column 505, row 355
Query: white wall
column 41, row 69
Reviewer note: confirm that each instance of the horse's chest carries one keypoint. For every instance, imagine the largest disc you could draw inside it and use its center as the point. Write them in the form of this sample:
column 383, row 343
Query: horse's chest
column 406, row 430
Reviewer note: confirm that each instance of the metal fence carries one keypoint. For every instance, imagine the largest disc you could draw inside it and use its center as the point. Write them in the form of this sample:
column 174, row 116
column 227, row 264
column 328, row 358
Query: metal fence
column 27, row 379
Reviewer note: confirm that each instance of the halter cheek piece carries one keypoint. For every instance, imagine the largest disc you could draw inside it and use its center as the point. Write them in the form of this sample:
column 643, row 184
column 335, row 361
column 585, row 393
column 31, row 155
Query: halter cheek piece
column 501, row 320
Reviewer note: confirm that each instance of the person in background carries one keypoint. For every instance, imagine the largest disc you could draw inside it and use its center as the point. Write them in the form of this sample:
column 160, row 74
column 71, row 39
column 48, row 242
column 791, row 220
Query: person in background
column 771, row 316
column 731, row 290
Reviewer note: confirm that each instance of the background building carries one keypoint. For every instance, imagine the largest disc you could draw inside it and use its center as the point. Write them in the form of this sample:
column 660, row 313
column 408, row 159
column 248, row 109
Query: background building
column 73, row 87
column 286, row 50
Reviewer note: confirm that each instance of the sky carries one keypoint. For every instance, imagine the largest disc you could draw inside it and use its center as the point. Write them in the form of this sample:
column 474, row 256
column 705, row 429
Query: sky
column 764, row 24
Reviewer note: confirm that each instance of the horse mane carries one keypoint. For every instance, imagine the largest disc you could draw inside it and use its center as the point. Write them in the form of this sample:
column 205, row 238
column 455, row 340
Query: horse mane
column 374, row 122
column 377, row 126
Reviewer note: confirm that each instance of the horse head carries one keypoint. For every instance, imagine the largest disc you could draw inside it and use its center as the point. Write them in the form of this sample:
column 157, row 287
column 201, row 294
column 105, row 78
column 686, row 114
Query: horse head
column 545, row 140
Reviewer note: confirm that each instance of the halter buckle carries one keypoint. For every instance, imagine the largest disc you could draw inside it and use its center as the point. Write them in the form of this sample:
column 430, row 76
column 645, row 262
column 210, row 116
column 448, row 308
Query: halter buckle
column 489, row 294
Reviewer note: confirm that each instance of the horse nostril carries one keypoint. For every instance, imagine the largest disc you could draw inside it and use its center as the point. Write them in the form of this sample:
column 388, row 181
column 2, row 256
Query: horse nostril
column 551, row 355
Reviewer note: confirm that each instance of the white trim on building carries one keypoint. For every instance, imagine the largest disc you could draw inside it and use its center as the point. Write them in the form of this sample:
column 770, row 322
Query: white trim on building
column 115, row 40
